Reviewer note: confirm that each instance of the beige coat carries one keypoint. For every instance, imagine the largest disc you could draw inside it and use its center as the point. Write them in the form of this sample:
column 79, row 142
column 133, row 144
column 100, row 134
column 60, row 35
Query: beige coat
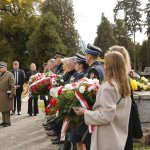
column 110, row 120
column 7, row 83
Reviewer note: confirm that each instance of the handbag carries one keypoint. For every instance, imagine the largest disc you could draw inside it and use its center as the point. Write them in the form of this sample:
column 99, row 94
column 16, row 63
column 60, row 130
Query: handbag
column 135, row 119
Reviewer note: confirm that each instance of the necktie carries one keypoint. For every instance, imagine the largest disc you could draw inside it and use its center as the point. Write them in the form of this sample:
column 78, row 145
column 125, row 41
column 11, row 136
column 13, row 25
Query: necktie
column 16, row 77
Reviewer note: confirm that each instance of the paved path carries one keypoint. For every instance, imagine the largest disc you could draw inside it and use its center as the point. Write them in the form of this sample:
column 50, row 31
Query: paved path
column 26, row 133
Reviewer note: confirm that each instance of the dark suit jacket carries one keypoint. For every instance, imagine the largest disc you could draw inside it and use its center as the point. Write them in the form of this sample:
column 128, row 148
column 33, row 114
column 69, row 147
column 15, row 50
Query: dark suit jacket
column 21, row 77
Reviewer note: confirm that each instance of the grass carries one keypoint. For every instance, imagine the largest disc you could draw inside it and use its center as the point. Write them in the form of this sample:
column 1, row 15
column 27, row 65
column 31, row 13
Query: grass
column 139, row 146
column 41, row 106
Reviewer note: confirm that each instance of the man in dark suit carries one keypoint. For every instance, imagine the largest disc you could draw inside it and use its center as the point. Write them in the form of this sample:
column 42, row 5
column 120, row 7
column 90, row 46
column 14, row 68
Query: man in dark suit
column 19, row 76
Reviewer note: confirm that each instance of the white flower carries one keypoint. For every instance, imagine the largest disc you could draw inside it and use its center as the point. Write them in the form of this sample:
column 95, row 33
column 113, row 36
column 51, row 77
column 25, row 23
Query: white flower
column 96, row 81
column 91, row 88
column 53, row 91
column 82, row 89
column 62, row 80
column 68, row 87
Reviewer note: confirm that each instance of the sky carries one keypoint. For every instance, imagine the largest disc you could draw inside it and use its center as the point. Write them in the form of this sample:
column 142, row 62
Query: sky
column 88, row 16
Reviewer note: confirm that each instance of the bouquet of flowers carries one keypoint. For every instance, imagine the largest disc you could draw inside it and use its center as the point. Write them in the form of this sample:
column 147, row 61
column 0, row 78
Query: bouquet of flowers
column 140, row 84
column 52, row 108
column 35, row 77
column 81, row 93
column 41, row 86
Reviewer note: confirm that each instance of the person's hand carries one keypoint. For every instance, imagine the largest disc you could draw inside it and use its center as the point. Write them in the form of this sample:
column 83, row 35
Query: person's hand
column 80, row 111
column 17, row 86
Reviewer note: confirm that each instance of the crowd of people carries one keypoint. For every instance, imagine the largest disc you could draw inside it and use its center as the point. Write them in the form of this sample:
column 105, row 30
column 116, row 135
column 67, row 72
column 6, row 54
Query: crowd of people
column 111, row 113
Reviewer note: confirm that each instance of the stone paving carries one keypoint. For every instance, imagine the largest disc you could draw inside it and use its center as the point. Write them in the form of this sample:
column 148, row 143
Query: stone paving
column 26, row 133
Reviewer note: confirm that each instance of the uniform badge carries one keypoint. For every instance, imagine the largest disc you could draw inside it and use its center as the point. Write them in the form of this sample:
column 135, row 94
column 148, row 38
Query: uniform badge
column 72, row 79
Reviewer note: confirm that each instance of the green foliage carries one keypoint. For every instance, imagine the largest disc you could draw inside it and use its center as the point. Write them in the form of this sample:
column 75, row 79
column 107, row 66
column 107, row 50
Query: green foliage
column 121, row 35
column 45, row 40
column 105, row 37
column 64, row 12
column 143, row 54
column 16, row 24
column 132, row 14
column 147, row 11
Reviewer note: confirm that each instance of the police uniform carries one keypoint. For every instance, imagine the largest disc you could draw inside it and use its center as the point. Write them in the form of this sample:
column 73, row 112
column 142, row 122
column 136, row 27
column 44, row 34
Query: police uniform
column 77, row 133
column 95, row 70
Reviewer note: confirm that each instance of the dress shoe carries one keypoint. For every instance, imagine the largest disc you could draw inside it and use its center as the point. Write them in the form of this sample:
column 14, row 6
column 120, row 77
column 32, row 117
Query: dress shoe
column 12, row 113
column 49, row 128
column 66, row 146
column 52, row 134
column 19, row 113
column 7, row 124
column 58, row 142
column 54, row 139
column 1, row 124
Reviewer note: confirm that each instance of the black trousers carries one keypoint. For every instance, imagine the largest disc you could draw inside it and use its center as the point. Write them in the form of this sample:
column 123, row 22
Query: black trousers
column 46, row 101
column 33, row 106
column 17, row 100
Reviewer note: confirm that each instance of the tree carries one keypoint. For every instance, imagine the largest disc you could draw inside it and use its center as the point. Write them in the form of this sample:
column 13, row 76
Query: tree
column 16, row 24
column 105, row 37
column 147, row 11
column 45, row 40
column 121, row 35
column 5, row 51
column 63, row 10
column 143, row 54
column 132, row 18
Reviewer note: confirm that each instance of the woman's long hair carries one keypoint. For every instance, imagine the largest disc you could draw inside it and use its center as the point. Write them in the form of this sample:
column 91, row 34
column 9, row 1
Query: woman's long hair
column 124, row 52
column 116, row 69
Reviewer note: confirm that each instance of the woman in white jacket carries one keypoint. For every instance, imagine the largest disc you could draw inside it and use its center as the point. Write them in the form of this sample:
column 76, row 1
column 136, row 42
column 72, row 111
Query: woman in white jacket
column 110, row 114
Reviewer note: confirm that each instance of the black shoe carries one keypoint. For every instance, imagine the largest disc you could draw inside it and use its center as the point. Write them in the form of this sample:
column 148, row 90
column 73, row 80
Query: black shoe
column 30, row 114
column 35, row 114
column 58, row 142
column 19, row 113
column 1, row 124
column 12, row 113
column 7, row 124
column 55, row 139
column 66, row 146
column 51, row 134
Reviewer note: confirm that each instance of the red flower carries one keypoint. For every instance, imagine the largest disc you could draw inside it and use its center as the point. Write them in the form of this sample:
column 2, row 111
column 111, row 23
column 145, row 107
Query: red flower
column 47, row 110
column 49, row 87
column 53, row 102
column 60, row 90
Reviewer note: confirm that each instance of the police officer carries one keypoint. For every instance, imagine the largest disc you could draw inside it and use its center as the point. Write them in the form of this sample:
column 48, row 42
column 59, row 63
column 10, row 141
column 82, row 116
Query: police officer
column 77, row 133
column 95, row 69
column 80, row 66
column 58, row 68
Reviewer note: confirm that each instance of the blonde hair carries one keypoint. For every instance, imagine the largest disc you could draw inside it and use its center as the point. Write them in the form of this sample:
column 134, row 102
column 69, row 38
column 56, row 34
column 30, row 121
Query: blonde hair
column 115, row 68
column 124, row 52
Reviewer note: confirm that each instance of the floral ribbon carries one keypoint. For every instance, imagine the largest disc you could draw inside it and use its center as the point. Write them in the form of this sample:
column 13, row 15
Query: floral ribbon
column 85, row 105
column 64, row 129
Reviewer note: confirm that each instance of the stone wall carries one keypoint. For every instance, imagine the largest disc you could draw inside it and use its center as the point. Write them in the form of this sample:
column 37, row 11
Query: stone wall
column 142, row 99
